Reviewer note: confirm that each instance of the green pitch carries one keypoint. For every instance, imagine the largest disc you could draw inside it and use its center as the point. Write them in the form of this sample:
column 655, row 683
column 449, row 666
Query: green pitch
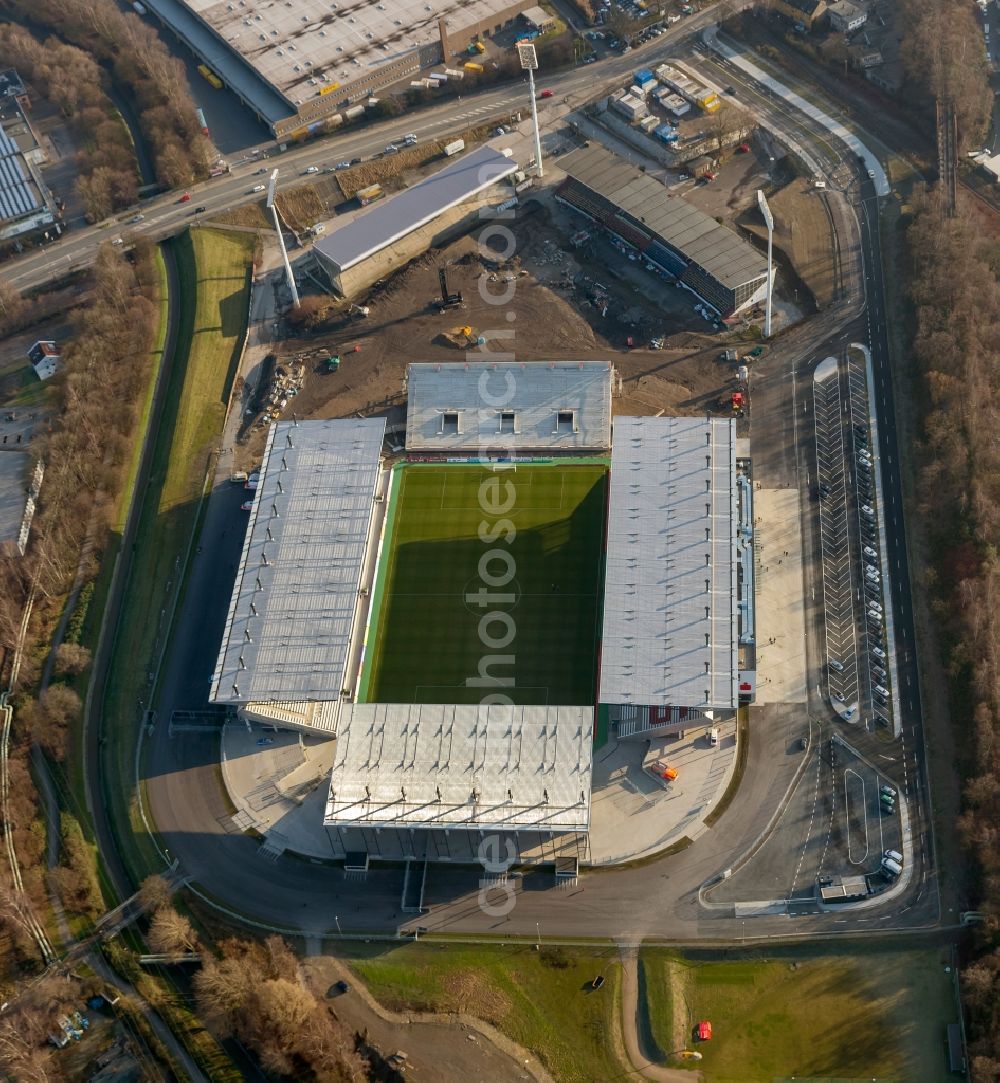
column 491, row 584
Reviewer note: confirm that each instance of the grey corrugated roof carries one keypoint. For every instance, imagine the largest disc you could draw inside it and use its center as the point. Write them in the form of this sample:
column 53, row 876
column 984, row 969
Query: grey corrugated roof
column 668, row 586
column 448, row 765
column 288, row 633
column 413, row 208
column 18, row 195
column 724, row 255
column 534, row 391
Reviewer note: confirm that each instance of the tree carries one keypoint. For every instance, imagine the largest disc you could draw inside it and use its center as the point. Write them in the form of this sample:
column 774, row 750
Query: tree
column 154, row 892
column 13, row 308
column 71, row 658
column 170, row 933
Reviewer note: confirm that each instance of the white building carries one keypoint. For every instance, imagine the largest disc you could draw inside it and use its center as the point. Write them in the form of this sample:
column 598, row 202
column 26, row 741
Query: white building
column 473, row 407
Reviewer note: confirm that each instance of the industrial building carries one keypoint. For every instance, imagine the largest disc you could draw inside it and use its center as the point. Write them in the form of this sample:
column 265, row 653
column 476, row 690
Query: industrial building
column 440, row 207
column 672, row 236
column 296, row 65
column 670, row 642
column 485, row 407
column 26, row 206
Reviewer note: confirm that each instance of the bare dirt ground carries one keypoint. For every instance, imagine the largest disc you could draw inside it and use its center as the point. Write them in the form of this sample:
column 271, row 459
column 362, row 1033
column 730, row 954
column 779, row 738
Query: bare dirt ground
column 558, row 309
column 802, row 232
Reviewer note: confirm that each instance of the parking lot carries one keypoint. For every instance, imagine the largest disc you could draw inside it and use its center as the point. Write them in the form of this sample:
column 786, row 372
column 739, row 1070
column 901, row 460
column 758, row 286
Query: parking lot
column 836, row 824
column 853, row 591
column 838, row 586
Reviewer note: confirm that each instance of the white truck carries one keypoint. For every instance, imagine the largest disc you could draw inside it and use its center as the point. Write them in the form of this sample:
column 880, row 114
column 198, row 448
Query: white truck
column 454, row 147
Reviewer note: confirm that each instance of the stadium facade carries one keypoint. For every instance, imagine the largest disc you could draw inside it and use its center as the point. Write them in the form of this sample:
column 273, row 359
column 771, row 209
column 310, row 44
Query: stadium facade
column 431, row 780
column 669, row 233
column 296, row 65
column 445, row 204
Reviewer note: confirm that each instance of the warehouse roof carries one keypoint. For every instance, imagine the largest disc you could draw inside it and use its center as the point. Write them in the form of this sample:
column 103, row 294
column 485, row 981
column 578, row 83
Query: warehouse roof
column 303, row 47
column 186, row 19
column 19, row 195
column 725, row 256
column 431, row 766
column 670, row 596
column 553, row 405
column 414, row 207
column 290, row 622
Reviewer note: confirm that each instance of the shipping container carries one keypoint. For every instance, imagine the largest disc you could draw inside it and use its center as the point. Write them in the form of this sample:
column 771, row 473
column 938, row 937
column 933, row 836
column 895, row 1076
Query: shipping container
column 455, row 147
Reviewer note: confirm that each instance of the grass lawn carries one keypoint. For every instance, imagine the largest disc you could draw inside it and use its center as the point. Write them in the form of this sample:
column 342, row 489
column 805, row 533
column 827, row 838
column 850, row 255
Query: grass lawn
column 877, row 1014
column 543, row 1000
column 214, row 304
column 537, row 550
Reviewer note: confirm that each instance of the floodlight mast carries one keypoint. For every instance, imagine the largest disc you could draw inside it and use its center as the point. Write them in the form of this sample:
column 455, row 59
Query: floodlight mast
column 529, row 63
column 272, row 189
column 765, row 210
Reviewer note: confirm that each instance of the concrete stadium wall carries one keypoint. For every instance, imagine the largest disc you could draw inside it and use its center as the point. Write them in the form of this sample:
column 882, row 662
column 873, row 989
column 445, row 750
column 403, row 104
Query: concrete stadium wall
column 447, row 227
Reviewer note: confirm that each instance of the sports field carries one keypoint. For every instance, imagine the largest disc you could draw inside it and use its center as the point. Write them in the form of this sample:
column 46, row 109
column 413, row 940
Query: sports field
column 490, row 583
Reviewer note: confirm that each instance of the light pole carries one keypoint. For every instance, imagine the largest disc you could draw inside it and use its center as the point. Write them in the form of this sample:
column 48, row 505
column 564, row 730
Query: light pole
column 529, row 63
column 272, row 186
column 538, row 937
column 336, row 918
column 765, row 210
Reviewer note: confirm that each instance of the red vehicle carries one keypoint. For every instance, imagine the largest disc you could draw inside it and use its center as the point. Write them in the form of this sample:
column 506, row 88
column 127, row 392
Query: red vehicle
column 545, row 94
column 704, row 1031
column 184, row 198
column 709, row 175
column 743, row 148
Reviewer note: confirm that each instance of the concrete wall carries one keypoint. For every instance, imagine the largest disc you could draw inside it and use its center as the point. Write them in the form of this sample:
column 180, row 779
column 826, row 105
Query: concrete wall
column 446, row 227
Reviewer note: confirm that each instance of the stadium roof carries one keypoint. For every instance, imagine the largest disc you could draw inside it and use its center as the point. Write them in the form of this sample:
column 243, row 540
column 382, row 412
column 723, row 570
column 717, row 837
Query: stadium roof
column 670, row 596
column 479, row 398
column 432, row 766
column 290, row 622
column 300, row 48
column 414, row 207
column 728, row 258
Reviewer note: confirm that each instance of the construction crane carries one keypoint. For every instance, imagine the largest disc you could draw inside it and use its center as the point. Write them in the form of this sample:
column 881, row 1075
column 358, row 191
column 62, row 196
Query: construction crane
column 448, row 300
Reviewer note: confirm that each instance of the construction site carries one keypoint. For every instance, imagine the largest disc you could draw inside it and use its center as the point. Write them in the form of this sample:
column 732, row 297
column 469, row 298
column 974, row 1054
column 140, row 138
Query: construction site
column 564, row 305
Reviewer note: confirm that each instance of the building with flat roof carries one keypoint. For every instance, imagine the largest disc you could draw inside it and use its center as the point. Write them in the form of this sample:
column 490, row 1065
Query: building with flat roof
column 670, row 635
column 297, row 64
column 437, row 766
column 25, row 203
column 509, row 406
column 445, row 203
column 291, row 622
column 671, row 234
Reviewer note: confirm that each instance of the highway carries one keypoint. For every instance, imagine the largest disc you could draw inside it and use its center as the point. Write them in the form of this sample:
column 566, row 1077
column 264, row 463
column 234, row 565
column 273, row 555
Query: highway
column 659, row 900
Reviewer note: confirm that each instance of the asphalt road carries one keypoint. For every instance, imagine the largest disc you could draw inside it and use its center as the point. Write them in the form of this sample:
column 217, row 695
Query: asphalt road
column 657, row 900
column 164, row 215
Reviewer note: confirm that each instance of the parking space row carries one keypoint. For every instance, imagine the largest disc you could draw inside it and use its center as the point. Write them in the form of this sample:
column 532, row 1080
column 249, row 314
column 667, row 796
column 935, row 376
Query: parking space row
column 873, row 653
column 832, row 493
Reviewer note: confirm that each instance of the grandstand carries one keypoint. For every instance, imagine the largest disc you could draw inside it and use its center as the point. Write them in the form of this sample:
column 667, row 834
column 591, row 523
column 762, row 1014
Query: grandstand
column 674, row 237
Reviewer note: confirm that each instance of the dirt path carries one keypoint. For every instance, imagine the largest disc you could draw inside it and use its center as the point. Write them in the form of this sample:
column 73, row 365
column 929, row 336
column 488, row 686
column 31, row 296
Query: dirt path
column 449, row 1048
column 631, row 1026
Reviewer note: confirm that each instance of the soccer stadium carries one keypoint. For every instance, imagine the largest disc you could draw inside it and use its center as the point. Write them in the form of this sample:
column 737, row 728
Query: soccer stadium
column 463, row 620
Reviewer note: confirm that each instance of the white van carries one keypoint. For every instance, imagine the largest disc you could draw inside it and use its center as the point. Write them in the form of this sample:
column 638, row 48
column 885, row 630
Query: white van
column 880, row 691
column 713, row 737
column 893, row 868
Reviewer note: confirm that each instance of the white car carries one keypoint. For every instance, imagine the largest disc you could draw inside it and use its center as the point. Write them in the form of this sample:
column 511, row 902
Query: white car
column 343, row 165
column 137, row 218
column 311, row 169
column 869, row 552
column 257, row 188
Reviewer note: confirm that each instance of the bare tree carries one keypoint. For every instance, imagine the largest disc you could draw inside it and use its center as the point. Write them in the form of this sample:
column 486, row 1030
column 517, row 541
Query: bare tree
column 171, row 933
column 154, row 892
column 71, row 658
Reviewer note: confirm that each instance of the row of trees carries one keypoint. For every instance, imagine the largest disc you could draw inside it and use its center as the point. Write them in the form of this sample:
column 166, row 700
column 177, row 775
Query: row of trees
column 255, row 991
column 107, row 177
column 955, row 292
column 142, row 66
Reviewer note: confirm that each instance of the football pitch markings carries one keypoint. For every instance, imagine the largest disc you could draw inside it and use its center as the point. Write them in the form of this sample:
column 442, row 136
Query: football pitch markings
column 526, row 558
